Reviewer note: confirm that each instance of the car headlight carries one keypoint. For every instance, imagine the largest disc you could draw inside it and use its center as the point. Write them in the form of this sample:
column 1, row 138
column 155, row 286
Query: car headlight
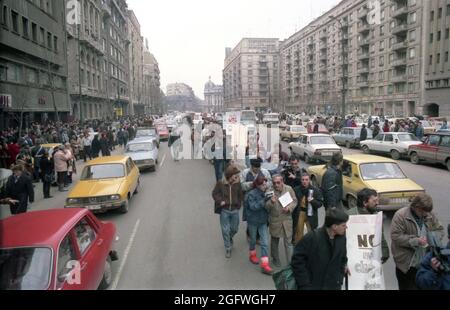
column 114, row 197
column 72, row 201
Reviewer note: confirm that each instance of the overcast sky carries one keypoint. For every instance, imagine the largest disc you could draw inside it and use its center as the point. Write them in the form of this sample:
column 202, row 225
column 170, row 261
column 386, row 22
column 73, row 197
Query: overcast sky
column 188, row 37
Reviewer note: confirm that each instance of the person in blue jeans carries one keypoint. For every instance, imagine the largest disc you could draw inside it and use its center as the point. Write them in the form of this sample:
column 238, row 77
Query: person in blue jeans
column 229, row 196
column 257, row 219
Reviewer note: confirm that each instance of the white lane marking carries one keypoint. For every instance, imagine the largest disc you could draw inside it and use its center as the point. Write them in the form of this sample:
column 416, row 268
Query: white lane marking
column 125, row 255
column 162, row 161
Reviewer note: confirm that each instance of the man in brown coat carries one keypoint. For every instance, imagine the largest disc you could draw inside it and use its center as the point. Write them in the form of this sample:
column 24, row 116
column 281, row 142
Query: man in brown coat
column 280, row 220
column 409, row 229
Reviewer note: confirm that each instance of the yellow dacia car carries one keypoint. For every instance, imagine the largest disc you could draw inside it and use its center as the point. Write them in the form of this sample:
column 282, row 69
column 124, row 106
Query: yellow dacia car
column 395, row 190
column 106, row 183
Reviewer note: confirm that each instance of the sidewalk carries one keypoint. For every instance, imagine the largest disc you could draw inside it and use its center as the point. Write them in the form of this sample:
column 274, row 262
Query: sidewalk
column 58, row 197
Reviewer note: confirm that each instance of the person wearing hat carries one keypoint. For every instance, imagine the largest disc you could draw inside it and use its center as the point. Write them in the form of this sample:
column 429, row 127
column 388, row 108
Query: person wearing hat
column 19, row 188
column 257, row 217
column 228, row 194
column 61, row 158
column 320, row 258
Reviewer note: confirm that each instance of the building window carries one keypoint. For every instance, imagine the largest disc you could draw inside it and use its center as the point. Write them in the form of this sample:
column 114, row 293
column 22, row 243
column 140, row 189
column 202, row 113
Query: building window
column 412, row 53
column 32, row 76
column 440, row 13
column 431, row 38
column 431, row 60
column 447, row 33
column 55, row 43
column 49, row 40
column 15, row 21
column 42, row 36
column 14, row 73
column 4, row 20
column 25, row 27
column 438, row 58
column 34, row 32
column 446, row 56
column 43, row 78
column 412, row 35
column 413, row 17
column 432, row 16
column 439, row 36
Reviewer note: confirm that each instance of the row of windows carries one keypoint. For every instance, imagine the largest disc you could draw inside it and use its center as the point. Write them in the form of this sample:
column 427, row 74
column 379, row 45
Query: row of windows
column 439, row 13
column 439, row 35
column 438, row 83
column 12, row 72
column 29, row 30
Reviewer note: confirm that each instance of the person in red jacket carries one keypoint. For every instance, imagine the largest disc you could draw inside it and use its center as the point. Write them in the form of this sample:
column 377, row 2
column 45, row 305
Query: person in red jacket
column 386, row 127
column 13, row 151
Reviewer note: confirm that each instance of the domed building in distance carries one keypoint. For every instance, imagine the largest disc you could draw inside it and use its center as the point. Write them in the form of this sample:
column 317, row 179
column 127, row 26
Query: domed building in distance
column 213, row 97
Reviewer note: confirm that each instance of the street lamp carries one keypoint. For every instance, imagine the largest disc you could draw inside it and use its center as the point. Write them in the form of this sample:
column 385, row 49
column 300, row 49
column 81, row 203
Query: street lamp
column 344, row 78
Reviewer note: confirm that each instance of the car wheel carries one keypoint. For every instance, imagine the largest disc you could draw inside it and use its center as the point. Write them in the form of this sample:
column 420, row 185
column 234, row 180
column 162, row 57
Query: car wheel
column 125, row 207
column 348, row 145
column 351, row 201
column 395, row 155
column 415, row 158
column 107, row 275
column 137, row 187
column 365, row 149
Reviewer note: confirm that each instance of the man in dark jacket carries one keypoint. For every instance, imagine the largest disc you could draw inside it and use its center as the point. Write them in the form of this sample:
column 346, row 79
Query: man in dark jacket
column 332, row 183
column 47, row 173
column 229, row 196
column 367, row 203
column 306, row 212
column 19, row 187
column 320, row 258
column 363, row 135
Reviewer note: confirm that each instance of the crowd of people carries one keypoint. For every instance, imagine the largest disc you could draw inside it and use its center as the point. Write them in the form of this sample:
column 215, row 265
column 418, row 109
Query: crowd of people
column 285, row 205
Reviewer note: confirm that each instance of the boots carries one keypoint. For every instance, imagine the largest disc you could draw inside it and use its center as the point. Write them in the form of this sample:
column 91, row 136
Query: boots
column 265, row 267
column 253, row 258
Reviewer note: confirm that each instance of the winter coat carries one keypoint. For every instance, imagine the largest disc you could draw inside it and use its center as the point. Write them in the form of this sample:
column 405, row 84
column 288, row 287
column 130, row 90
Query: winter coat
column 419, row 132
column 317, row 264
column 332, row 188
column 363, row 135
column 22, row 190
column 316, row 204
column 405, row 234
column 376, row 131
column 280, row 224
column 384, row 244
column 46, row 166
column 104, row 147
column 95, row 147
column 60, row 159
column 247, row 178
column 231, row 194
column 255, row 202
column 428, row 279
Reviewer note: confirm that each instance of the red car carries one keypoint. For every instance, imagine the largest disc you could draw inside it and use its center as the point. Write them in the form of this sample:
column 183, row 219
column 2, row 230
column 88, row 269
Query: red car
column 163, row 132
column 322, row 128
column 63, row 249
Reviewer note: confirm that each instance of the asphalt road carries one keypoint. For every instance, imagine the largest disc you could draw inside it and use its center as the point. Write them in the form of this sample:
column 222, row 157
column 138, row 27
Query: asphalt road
column 171, row 238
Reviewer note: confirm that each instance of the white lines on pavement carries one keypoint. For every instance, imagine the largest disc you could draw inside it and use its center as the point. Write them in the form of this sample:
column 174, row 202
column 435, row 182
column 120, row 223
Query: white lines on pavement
column 162, row 161
column 125, row 256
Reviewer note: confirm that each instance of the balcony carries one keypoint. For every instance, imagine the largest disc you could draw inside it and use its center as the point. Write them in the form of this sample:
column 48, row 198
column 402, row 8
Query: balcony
column 400, row 46
column 401, row 12
column 363, row 83
column 364, row 70
column 310, row 42
column 323, row 45
column 399, row 29
column 323, row 35
column 364, row 42
column 323, row 57
column 323, row 68
column 310, row 82
column 401, row 78
column 363, row 56
column 400, row 62
column 364, row 28
column 344, row 37
column 363, row 13
column 106, row 9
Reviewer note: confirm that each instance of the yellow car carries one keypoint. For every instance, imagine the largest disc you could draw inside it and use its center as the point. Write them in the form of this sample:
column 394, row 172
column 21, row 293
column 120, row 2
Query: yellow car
column 106, row 183
column 395, row 190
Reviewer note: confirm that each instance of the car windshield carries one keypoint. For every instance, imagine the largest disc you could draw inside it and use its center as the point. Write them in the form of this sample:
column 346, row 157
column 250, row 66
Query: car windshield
column 381, row 171
column 25, row 268
column 141, row 147
column 145, row 133
column 105, row 171
column 298, row 129
column 322, row 140
column 406, row 138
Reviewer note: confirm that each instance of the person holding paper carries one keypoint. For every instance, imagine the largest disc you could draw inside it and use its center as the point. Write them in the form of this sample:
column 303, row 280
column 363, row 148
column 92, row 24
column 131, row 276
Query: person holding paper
column 280, row 207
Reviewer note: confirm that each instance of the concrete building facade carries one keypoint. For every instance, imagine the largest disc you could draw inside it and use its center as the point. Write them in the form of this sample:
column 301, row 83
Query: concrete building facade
column 136, row 64
column 213, row 97
column 251, row 75
column 152, row 85
column 33, row 62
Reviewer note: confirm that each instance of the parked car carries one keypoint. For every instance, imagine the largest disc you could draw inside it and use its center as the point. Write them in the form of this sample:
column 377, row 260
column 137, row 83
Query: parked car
column 144, row 153
column 315, row 147
column 322, row 128
column 163, row 132
column 394, row 143
column 435, row 149
column 38, row 251
column 147, row 133
column 106, row 183
column 292, row 132
column 394, row 188
column 349, row 136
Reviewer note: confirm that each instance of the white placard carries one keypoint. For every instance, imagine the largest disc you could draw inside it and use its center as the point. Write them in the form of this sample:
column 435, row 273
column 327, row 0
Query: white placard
column 285, row 200
column 364, row 252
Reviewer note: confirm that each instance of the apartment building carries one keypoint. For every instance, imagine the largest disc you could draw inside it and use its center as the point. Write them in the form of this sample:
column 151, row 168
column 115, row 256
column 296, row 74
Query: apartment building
column 136, row 64
column 251, row 75
column 369, row 52
column 152, row 84
column 33, row 58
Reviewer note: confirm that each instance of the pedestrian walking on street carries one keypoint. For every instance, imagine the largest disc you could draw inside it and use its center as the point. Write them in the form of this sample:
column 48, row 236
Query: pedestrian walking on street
column 96, row 147
column 409, row 229
column 367, row 203
column 310, row 200
column 37, row 152
column 257, row 218
column 19, row 187
column 60, row 160
column 419, row 130
column 280, row 219
column 320, row 258
column 228, row 195
column 86, row 143
column 104, row 145
column 332, row 183
column 376, row 129
column 363, row 135
column 71, row 163
column 47, row 174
